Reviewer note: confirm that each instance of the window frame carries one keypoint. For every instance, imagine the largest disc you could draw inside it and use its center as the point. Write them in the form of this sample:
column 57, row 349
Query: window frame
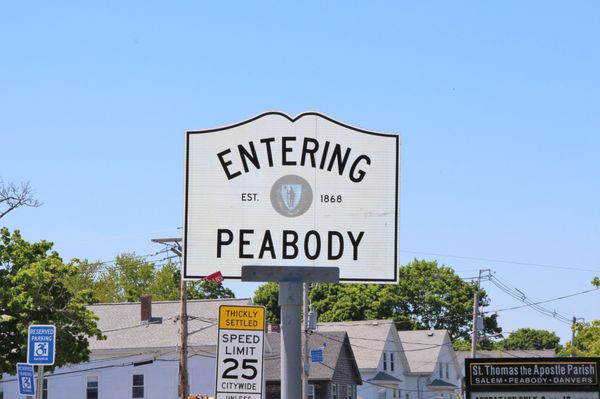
column 350, row 391
column 311, row 391
column 334, row 391
column 87, row 386
column 133, row 386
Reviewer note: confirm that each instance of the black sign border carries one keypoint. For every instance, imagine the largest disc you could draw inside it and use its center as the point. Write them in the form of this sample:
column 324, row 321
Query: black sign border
column 532, row 387
column 188, row 133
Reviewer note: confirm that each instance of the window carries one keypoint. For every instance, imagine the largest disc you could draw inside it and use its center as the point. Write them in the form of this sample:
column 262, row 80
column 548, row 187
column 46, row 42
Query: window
column 350, row 391
column 45, row 389
column 447, row 371
column 137, row 387
column 334, row 391
column 396, row 393
column 384, row 361
column 391, row 362
column 407, row 396
column 440, row 370
column 381, row 394
column 311, row 391
column 91, row 391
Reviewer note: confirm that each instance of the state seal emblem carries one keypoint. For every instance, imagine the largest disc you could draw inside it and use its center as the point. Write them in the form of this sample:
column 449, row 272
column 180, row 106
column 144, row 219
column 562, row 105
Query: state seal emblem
column 291, row 196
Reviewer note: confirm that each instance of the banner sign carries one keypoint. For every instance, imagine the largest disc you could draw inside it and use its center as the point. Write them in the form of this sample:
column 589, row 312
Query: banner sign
column 240, row 352
column 542, row 372
column 282, row 191
column 532, row 378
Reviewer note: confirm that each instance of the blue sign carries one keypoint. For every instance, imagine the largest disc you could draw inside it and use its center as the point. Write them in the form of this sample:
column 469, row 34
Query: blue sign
column 316, row 355
column 41, row 344
column 25, row 377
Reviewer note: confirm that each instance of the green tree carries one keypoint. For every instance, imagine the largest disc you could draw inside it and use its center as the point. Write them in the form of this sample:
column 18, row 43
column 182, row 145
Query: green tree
column 33, row 290
column 529, row 338
column 131, row 277
column 587, row 340
column 427, row 296
column 267, row 295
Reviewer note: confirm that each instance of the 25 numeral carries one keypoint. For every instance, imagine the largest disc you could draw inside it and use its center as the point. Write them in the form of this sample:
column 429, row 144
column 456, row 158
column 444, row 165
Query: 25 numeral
column 246, row 365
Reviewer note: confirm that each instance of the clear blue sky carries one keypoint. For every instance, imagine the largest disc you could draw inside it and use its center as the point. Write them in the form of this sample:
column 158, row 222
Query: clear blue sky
column 498, row 105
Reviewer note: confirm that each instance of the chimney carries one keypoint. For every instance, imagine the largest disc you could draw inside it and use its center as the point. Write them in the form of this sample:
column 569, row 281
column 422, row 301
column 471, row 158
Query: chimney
column 146, row 308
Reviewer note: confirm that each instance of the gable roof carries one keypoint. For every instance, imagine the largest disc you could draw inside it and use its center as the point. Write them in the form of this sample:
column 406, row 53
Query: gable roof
column 336, row 348
column 422, row 348
column 368, row 339
column 121, row 324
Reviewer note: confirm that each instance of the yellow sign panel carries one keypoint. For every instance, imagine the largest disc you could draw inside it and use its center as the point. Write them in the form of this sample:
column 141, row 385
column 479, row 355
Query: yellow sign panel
column 242, row 318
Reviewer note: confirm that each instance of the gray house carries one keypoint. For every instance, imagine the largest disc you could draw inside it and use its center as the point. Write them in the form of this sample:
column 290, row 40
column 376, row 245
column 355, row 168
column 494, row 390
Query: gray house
column 336, row 377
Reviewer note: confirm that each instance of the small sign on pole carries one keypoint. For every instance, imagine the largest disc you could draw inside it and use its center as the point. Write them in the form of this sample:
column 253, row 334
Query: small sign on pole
column 41, row 344
column 240, row 350
column 316, row 355
column 25, row 378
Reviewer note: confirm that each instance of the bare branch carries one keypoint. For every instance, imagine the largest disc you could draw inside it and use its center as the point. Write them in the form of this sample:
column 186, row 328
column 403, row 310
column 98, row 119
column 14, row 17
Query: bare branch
column 13, row 196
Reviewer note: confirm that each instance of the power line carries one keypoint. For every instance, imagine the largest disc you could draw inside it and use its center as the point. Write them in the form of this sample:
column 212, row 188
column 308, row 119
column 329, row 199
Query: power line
column 512, row 262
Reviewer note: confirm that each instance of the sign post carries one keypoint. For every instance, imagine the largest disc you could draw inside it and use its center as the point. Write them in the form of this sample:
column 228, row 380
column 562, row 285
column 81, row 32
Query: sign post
column 26, row 380
column 41, row 344
column 240, row 352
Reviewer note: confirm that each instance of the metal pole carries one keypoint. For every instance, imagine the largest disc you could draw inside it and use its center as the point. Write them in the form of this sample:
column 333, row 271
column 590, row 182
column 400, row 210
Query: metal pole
column 183, row 369
column 305, row 334
column 290, row 300
column 40, row 382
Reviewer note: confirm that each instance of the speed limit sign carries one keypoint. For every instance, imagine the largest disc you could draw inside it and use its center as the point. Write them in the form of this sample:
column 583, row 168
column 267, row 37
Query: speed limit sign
column 240, row 352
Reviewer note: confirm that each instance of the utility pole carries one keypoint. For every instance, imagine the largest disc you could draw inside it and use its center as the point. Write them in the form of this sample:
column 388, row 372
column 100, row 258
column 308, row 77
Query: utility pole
column 175, row 247
column 474, row 337
column 475, row 331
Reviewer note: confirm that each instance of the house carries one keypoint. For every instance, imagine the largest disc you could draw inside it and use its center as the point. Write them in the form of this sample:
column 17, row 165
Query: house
column 434, row 371
column 379, row 355
column 336, row 377
column 140, row 357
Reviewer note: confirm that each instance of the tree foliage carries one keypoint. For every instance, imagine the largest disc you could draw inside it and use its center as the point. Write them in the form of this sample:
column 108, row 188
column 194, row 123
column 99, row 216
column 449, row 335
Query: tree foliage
column 131, row 277
column 13, row 196
column 528, row 339
column 587, row 340
column 33, row 290
column 427, row 296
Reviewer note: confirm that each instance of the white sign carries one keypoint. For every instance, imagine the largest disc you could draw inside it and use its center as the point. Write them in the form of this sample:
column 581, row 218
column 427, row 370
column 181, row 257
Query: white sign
column 534, row 395
column 304, row 191
column 240, row 352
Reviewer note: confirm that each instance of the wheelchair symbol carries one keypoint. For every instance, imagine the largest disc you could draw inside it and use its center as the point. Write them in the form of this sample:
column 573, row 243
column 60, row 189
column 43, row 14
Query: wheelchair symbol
column 41, row 349
column 26, row 382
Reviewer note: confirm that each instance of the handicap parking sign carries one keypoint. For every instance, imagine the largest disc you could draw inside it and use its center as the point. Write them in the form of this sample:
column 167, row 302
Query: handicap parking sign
column 25, row 377
column 41, row 344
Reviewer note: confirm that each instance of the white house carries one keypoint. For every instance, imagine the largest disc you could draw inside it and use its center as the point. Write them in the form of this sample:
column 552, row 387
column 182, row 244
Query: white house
column 139, row 358
column 379, row 355
column 434, row 371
